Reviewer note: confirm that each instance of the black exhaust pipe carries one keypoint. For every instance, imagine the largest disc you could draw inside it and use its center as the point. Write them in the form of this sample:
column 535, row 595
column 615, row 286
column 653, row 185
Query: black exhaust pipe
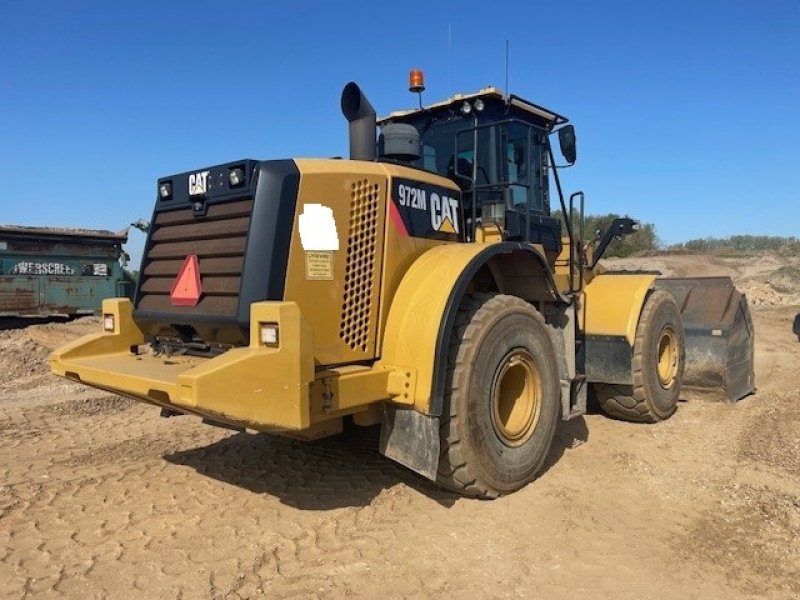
column 361, row 116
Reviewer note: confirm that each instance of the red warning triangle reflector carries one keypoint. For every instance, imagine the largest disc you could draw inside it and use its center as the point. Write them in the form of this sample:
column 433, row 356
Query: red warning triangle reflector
column 186, row 288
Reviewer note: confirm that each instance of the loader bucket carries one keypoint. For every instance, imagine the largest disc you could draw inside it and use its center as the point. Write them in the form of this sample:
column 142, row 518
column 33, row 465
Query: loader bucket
column 719, row 335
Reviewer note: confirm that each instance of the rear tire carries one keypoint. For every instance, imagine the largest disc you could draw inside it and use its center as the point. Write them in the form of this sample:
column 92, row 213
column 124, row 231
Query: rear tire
column 659, row 355
column 501, row 400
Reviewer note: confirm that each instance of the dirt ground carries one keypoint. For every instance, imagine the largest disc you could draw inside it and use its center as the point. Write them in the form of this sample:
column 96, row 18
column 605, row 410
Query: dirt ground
column 101, row 498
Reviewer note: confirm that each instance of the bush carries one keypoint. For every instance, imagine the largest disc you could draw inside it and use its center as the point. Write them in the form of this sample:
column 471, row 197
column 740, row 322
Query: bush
column 742, row 243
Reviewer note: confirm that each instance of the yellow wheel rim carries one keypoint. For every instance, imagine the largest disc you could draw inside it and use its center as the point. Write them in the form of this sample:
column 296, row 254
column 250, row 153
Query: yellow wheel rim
column 667, row 358
column 516, row 398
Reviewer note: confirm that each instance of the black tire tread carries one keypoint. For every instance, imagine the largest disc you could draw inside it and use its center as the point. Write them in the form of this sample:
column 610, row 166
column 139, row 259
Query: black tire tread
column 630, row 403
column 454, row 471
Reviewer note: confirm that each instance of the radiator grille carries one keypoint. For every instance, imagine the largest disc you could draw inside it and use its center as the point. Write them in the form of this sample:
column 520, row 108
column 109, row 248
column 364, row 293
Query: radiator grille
column 218, row 240
column 360, row 267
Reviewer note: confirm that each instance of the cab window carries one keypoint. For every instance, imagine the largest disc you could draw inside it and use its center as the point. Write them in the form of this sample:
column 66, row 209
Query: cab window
column 516, row 158
column 523, row 155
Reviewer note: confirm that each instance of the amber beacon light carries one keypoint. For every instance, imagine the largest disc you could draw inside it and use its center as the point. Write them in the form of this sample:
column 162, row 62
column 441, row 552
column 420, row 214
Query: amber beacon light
column 416, row 81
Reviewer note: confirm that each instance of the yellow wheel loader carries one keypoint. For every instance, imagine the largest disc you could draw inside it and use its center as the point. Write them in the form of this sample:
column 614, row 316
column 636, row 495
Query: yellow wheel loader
column 423, row 285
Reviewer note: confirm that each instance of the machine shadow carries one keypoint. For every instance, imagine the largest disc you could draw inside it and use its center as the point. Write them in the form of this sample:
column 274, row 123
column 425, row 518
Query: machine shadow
column 9, row 323
column 336, row 472
column 569, row 434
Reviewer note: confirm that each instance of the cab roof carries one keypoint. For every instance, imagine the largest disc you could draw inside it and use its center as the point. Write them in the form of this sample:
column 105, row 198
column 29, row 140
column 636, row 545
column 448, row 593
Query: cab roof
column 487, row 94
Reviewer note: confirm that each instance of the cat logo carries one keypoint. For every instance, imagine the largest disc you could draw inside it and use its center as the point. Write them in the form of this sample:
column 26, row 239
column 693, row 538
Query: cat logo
column 444, row 213
column 425, row 210
column 198, row 183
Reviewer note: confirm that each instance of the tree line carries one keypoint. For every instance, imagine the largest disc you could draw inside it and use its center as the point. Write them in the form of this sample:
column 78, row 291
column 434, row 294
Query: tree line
column 646, row 239
column 742, row 243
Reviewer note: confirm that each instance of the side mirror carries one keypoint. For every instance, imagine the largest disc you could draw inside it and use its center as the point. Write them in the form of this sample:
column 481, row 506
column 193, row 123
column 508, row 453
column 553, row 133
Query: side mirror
column 566, row 139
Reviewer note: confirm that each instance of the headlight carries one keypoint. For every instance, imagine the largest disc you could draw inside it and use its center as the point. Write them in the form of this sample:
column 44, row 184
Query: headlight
column 108, row 323
column 236, row 177
column 478, row 104
column 466, row 108
column 269, row 334
column 165, row 190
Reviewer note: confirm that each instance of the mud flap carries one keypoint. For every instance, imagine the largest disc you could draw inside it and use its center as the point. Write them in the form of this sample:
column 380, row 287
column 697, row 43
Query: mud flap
column 412, row 439
column 719, row 335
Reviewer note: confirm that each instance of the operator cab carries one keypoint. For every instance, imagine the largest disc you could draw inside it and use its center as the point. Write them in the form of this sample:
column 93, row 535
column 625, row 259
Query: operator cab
column 496, row 148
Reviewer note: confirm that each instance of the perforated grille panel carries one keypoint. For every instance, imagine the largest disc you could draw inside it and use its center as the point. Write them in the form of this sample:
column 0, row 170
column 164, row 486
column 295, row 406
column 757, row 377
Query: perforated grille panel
column 360, row 268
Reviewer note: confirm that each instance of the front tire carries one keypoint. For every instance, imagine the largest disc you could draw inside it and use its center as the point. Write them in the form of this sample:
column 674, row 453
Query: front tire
column 659, row 354
column 502, row 397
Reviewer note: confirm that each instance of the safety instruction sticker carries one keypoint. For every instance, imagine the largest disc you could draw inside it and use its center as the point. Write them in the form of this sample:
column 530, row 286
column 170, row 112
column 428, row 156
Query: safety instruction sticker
column 319, row 264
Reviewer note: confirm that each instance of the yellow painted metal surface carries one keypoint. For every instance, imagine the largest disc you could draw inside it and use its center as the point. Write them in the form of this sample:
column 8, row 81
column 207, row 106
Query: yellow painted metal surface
column 343, row 390
column 488, row 232
column 342, row 308
column 327, row 325
column 401, row 251
column 612, row 304
column 561, row 270
column 417, row 311
column 348, row 310
column 259, row 387
column 125, row 335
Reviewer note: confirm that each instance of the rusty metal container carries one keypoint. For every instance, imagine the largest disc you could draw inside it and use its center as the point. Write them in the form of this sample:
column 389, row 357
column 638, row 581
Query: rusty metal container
column 59, row 272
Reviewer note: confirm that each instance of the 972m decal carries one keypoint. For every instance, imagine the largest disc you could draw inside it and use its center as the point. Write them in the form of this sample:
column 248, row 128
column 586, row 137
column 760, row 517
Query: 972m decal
column 426, row 210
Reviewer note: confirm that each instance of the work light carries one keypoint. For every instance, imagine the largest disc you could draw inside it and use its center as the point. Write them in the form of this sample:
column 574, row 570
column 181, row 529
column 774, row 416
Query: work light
column 236, row 177
column 269, row 334
column 165, row 190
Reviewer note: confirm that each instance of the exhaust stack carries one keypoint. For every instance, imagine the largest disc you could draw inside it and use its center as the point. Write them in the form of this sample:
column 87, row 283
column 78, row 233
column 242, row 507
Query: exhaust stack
column 362, row 118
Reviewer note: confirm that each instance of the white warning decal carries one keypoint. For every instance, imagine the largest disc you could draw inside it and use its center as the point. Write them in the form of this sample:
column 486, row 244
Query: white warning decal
column 318, row 228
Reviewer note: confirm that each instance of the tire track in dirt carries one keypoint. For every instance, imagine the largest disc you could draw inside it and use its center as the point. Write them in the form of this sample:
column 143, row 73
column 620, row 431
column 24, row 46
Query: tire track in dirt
column 227, row 515
column 754, row 528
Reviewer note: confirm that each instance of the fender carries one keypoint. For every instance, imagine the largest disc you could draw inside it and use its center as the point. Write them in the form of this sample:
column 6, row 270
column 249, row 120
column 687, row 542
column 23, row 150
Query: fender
column 612, row 304
column 423, row 312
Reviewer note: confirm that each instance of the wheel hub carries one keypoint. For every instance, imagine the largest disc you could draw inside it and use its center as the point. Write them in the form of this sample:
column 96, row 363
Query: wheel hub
column 667, row 358
column 516, row 398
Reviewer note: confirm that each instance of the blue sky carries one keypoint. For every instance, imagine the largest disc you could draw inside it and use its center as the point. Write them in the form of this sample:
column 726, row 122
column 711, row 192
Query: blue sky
column 687, row 113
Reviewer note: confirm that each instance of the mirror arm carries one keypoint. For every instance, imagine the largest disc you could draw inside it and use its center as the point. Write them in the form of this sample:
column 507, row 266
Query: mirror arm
column 560, row 193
